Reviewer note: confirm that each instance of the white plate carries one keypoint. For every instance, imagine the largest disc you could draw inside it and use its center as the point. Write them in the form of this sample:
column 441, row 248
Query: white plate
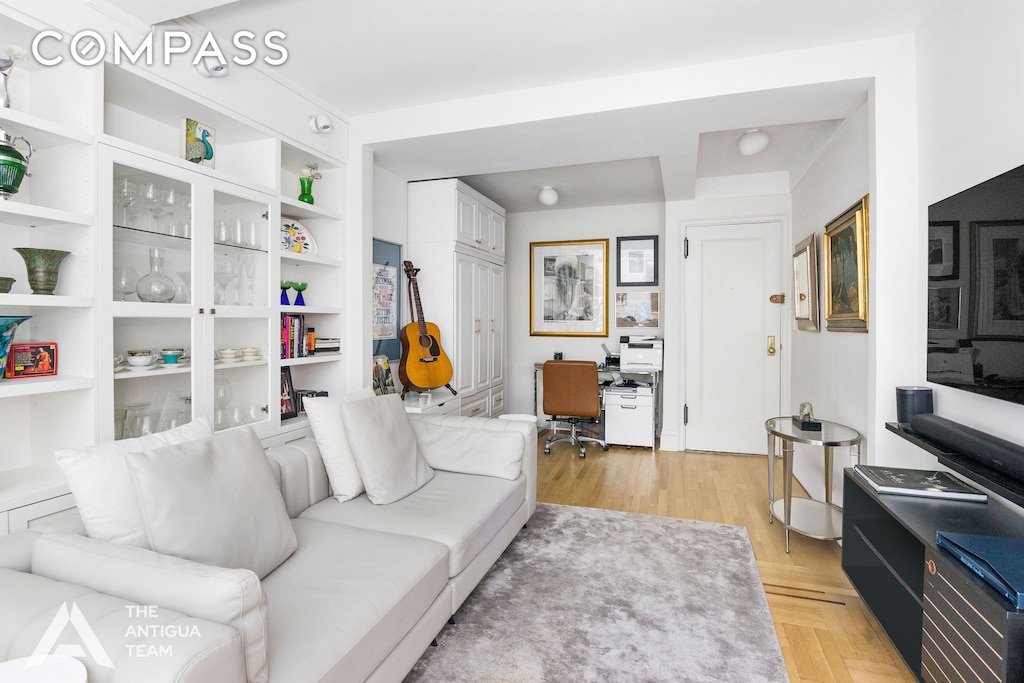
column 252, row 358
column 140, row 368
column 228, row 360
column 295, row 237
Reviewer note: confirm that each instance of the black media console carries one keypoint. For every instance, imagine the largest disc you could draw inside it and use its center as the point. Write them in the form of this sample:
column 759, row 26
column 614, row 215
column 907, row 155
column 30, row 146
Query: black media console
column 943, row 619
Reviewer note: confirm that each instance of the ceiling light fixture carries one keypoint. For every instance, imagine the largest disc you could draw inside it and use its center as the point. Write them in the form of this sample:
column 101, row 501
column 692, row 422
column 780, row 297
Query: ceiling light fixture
column 211, row 67
column 548, row 196
column 754, row 141
column 320, row 123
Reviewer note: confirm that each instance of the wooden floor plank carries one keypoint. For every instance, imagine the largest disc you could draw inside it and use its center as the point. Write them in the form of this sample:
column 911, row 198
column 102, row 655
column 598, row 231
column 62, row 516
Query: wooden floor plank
column 825, row 630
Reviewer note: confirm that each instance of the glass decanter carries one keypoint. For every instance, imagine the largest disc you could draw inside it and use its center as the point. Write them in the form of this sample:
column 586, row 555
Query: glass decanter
column 156, row 285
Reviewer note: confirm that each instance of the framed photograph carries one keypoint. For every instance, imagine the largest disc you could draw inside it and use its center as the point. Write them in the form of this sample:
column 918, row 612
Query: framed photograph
column 638, row 261
column 805, row 285
column 289, row 407
column 636, row 309
column 197, row 143
column 383, row 381
column 997, row 279
column 944, row 308
column 943, row 250
column 846, row 270
column 38, row 359
column 569, row 288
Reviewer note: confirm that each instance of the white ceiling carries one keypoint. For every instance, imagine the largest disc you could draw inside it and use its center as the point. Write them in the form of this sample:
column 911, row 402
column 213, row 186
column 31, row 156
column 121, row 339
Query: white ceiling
column 370, row 56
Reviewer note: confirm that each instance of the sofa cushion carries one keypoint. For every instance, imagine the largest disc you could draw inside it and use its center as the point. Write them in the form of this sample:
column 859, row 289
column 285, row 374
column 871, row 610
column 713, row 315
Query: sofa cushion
column 232, row 597
column 103, row 489
column 324, row 414
column 346, row 597
column 215, row 501
column 462, row 511
column 460, row 450
column 384, row 448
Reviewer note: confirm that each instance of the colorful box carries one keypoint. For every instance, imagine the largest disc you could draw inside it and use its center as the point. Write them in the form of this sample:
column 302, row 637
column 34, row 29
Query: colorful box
column 36, row 359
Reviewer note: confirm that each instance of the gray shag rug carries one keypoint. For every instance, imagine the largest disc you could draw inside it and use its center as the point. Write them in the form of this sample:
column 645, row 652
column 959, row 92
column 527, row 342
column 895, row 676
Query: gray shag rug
column 594, row 595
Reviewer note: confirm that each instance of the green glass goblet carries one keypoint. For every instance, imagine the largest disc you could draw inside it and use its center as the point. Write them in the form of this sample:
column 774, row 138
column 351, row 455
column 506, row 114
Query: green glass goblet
column 300, row 287
column 285, row 286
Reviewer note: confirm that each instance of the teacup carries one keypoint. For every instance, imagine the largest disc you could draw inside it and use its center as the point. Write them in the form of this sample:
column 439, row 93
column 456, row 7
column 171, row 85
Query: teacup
column 139, row 361
column 118, row 360
column 250, row 351
column 228, row 353
column 139, row 352
column 171, row 356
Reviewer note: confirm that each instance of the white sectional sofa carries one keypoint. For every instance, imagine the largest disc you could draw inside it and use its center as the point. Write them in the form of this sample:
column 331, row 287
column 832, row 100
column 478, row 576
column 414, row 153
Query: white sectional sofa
column 365, row 591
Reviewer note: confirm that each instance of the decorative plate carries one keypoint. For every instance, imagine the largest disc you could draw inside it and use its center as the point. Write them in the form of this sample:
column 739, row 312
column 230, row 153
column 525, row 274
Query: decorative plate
column 296, row 238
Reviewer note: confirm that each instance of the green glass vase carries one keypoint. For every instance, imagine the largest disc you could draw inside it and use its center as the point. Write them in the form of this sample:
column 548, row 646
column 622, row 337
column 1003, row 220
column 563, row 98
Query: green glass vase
column 306, row 187
column 43, row 267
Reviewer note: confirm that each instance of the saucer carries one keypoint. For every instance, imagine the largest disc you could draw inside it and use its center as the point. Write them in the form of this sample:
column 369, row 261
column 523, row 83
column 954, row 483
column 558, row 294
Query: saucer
column 139, row 368
column 252, row 358
column 228, row 360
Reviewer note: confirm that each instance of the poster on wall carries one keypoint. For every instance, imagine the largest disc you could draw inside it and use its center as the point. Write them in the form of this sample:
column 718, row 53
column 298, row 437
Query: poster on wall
column 385, row 302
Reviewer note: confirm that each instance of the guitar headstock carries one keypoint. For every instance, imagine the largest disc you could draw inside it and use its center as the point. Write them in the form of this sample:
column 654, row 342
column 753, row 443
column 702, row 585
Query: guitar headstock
column 410, row 270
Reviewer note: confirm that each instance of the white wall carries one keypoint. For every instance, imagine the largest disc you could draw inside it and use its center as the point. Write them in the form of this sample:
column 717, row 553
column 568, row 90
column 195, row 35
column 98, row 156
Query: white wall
column 390, row 207
column 971, row 93
column 606, row 222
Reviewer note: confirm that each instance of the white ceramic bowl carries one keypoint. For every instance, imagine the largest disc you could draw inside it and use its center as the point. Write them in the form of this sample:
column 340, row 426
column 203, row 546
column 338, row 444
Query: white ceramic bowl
column 138, row 361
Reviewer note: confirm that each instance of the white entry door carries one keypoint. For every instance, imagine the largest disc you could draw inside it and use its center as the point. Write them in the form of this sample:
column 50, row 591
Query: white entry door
column 733, row 366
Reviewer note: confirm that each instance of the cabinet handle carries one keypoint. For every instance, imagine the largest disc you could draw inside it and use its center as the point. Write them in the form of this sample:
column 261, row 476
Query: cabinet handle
column 628, row 407
column 213, row 311
column 202, row 310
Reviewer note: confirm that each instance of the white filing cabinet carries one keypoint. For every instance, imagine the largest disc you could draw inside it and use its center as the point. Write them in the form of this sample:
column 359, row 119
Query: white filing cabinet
column 629, row 416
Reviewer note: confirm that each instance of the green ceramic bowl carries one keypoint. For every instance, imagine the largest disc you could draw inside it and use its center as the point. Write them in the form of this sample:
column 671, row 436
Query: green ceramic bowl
column 5, row 284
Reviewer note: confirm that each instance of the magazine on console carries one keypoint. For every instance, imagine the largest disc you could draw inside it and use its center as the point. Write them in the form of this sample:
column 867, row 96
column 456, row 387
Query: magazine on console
column 924, row 483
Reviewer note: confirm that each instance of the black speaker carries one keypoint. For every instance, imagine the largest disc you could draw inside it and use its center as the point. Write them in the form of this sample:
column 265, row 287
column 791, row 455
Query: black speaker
column 911, row 401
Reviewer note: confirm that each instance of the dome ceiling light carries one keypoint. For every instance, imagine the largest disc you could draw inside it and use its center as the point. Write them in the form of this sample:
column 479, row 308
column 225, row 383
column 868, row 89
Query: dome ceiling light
column 754, row 141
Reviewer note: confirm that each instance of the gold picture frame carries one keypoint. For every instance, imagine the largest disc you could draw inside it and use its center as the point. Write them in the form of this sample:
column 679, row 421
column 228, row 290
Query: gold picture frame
column 569, row 288
column 805, row 285
column 846, row 270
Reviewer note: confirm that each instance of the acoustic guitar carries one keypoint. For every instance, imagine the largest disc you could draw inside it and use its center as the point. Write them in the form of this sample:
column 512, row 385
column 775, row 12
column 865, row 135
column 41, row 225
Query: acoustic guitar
column 424, row 364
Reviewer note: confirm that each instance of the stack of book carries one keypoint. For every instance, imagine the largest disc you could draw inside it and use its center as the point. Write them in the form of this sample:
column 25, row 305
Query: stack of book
column 328, row 344
column 294, row 342
column 924, row 483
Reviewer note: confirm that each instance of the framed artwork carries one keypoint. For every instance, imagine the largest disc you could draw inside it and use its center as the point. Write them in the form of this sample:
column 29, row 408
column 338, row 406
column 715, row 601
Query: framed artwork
column 943, row 250
column 997, row 279
column 805, row 285
column 637, row 262
column 944, row 308
column 636, row 309
column 846, row 270
column 569, row 288
column 385, row 302
column 289, row 408
column 197, row 143
column 383, row 381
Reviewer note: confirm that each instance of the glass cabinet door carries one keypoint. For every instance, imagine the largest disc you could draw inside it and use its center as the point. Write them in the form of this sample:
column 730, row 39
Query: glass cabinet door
column 189, row 301
column 240, row 321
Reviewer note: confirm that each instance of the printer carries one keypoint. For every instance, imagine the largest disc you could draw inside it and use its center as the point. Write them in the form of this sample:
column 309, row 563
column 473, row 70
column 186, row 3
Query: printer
column 640, row 353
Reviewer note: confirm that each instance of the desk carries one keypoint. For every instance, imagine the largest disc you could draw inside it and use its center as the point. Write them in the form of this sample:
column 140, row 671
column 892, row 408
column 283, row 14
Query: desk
column 805, row 516
column 634, row 435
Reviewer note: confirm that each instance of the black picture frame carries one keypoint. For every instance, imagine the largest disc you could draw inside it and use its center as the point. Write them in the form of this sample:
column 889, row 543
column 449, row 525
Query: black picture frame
column 289, row 406
column 943, row 250
column 636, row 262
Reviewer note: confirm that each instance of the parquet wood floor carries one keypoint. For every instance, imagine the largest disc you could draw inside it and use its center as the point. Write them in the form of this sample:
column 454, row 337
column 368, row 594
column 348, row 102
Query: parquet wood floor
column 826, row 631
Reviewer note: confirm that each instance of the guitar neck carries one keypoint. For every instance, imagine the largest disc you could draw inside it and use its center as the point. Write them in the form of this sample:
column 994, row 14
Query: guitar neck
column 419, row 307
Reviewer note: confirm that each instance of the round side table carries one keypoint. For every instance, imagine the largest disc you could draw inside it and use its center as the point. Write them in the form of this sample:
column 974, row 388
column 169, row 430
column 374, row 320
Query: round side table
column 811, row 518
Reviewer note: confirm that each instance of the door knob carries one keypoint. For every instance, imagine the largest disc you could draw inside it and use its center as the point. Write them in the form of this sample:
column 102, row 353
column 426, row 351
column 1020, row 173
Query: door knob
column 771, row 346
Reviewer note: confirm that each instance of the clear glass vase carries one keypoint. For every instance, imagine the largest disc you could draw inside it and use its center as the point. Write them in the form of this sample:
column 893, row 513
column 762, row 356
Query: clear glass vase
column 156, row 285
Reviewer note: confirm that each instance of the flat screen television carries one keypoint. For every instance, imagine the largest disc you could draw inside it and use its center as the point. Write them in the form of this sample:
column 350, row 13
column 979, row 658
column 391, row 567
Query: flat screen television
column 976, row 288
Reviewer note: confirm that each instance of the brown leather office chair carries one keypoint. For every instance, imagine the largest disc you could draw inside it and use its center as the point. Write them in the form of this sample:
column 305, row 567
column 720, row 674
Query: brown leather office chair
column 572, row 395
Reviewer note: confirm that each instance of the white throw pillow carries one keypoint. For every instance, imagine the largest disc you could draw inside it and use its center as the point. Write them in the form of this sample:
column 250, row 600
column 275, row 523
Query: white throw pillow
column 384, row 448
column 470, row 451
column 324, row 414
column 103, row 489
column 233, row 597
column 215, row 501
